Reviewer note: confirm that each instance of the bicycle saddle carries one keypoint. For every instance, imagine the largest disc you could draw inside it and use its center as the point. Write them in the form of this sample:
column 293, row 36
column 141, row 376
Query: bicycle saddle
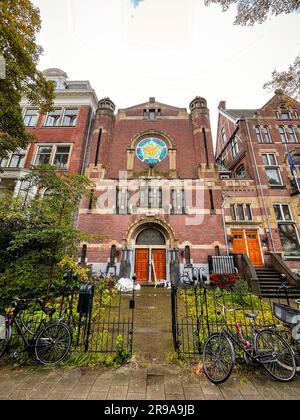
column 252, row 315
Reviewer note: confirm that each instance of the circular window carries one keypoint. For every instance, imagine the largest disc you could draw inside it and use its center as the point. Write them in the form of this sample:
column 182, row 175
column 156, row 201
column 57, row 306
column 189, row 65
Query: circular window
column 151, row 150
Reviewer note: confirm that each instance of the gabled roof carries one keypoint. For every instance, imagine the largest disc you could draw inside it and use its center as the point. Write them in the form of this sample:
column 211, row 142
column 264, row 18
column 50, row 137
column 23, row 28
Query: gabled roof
column 152, row 103
column 240, row 113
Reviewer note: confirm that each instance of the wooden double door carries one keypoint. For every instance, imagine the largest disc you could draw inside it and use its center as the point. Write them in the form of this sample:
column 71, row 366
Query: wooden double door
column 247, row 242
column 143, row 258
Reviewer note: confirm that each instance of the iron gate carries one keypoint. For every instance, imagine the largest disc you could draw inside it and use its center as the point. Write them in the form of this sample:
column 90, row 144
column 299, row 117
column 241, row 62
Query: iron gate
column 196, row 314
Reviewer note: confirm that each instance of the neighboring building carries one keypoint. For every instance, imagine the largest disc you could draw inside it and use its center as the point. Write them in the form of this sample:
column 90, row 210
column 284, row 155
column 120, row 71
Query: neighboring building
column 262, row 200
column 152, row 164
column 61, row 135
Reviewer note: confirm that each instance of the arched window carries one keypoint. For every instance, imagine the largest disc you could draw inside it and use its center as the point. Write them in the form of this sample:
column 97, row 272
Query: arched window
column 258, row 134
column 112, row 254
column 187, row 255
column 150, row 236
column 83, row 254
column 217, row 251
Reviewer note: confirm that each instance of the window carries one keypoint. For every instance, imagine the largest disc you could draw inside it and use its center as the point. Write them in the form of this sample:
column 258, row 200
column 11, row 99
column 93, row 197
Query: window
column 62, row 117
column 7, row 186
column 53, row 118
column 56, row 155
column 234, row 147
column 258, row 134
column 296, row 159
column 187, row 255
column 241, row 172
column 271, row 168
column 152, row 114
column 43, row 155
column 289, row 239
column 17, row 159
column 267, row 134
column 283, row 135
column 122, row 201
column 70, row 117
column 61, row 157
column 292, row 134
column 241, row 212
column 282, row 212
column 284, row 115
column 223, row 134
column 31, row 117
column 178, row 201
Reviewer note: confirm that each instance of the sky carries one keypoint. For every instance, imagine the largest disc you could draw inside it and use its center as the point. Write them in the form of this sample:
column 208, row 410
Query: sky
column 173, row 50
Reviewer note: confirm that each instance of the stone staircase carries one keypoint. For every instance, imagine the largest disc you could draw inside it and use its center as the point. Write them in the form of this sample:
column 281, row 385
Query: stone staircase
column 271, row 285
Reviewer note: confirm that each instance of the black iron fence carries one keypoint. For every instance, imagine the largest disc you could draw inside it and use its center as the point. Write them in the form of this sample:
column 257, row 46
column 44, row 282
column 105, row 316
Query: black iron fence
column 100, row 317
column 196, row 313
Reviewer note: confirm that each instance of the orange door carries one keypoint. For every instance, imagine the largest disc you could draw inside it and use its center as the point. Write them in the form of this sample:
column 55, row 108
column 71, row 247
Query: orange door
column 159, row 262
column 254, row 248
column 239, row 244
column 142, row 265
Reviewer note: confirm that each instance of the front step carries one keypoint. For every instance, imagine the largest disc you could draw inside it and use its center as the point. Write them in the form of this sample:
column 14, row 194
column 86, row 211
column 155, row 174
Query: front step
column 271, row 284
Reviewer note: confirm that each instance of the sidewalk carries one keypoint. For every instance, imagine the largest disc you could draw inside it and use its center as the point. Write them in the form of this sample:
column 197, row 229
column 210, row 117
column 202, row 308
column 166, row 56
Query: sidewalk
column 152, row 383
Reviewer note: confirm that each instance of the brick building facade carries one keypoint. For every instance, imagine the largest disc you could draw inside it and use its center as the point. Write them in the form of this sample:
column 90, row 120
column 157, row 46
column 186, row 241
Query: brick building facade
column 255, row 151
column 151, row 212
column 61, row 135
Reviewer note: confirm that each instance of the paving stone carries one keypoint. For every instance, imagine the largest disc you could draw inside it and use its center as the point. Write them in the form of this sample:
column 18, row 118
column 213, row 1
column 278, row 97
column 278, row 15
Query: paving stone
column 80, row 391
column 137, row 386
column 175, row 397
column 155, row 393
column 132, row 396
column 97, row 396
column 101, row 385
column 117, row 392
column 193, row 393
column 20, row 394
column 41, row 392
column 173, row 387
column 59, row 395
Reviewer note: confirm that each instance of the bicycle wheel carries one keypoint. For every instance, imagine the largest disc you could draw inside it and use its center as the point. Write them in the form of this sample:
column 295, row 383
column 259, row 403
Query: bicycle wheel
column 276, row 355
column 5, row 334
column 218, row 358
column 53, row 343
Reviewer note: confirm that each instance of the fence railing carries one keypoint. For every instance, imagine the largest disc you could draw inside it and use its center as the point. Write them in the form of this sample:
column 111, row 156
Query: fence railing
column 198, row 314
column 221, row 265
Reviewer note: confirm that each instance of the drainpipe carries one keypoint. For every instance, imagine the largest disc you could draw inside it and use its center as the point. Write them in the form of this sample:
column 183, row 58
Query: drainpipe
column 260, row 187
column 87, row 142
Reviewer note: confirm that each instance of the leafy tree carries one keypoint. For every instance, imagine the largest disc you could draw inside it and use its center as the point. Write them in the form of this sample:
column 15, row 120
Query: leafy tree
column 19, row 23
column 38, row 235
column 257, row 11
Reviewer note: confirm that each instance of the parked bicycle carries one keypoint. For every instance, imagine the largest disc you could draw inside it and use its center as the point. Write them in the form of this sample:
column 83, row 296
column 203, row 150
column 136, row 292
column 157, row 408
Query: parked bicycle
column 291, row 319
column 50, row 342
column 266, row 348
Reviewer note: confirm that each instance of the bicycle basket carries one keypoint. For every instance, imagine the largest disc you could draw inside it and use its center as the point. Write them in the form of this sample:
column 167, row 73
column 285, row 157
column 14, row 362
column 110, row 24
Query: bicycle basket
column 286, row 313
column 2, row 328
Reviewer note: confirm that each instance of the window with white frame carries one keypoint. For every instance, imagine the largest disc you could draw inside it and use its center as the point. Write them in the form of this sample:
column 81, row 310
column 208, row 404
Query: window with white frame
column 178, row 201
column 242, row 212
column 122, row 200
column 241, row 172
column 57, row 155
column 272, row 169
column 267, row 134
column 30, row 117
column 17, row 159
column 258, row 134
column 62, row 117
column 288, row 134
column 287, row 230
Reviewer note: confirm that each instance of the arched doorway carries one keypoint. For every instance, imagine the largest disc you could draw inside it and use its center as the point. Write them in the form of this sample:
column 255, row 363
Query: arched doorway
column 150, row 255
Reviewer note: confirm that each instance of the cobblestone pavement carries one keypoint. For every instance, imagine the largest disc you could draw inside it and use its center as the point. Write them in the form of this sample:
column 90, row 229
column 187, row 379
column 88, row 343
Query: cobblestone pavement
column 142, row 383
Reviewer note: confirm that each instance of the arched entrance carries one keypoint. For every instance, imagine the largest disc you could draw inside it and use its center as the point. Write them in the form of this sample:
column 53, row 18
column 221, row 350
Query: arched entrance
column 150, row 255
